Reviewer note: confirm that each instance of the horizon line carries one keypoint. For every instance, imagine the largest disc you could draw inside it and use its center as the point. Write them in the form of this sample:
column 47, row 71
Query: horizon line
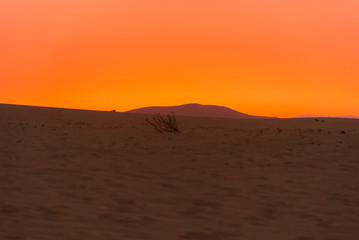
column 347, row 116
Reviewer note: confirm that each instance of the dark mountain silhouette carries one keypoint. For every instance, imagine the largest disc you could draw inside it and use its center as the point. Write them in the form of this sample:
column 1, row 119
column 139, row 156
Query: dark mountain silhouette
column 197, row 110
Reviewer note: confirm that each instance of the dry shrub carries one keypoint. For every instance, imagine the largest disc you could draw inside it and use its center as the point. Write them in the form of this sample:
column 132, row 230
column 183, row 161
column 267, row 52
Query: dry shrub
column 164, row 124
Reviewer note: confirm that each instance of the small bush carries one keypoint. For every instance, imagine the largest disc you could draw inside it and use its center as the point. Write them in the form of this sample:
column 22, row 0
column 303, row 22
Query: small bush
column 163, row 124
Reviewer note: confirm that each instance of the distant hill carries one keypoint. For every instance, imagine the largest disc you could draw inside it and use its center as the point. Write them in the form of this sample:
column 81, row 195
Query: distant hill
column 347, row 116
column 326, row 116
column 311, row 116
column 197, row 110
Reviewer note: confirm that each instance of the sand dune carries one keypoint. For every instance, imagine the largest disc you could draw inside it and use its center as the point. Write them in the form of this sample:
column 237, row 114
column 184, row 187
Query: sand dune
column 71, row 174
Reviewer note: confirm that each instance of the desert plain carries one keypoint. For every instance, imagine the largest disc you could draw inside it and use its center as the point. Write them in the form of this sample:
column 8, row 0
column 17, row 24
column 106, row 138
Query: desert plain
column 76, row 174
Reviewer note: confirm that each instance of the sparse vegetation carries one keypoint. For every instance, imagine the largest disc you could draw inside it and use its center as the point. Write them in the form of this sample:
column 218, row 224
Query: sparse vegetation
column 163, row 124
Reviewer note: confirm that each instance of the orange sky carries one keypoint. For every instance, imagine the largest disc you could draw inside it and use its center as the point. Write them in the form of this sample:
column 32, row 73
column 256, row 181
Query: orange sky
column 263, row 57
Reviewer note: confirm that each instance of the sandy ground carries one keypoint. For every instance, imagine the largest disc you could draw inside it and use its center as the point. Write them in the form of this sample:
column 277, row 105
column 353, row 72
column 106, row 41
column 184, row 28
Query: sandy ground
column 71, row 174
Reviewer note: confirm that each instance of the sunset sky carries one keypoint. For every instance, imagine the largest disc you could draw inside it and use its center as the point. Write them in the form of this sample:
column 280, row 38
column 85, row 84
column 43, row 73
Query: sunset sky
column 262, row 57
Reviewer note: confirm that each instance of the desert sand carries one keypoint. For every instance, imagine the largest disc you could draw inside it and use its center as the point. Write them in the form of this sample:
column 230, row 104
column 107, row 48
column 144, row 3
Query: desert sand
column 74, row 174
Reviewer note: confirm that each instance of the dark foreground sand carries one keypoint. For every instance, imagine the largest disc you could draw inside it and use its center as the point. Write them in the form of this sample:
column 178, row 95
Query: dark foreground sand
column 70, row 174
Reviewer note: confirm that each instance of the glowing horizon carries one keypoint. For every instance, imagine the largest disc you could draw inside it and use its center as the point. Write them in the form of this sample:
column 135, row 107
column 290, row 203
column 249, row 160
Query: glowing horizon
column 272, row 58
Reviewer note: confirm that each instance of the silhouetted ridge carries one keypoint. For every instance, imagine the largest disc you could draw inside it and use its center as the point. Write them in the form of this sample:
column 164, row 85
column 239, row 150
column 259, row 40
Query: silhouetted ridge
column 196, row 110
